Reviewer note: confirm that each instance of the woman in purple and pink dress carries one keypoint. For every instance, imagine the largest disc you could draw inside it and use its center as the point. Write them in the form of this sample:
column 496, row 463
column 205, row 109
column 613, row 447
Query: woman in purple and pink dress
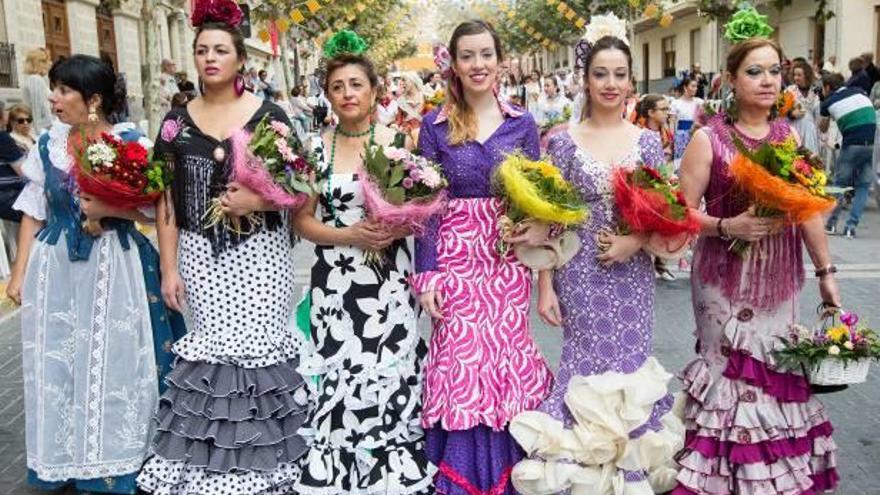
column 751, row 428
column 604, row 300
column 483, row 366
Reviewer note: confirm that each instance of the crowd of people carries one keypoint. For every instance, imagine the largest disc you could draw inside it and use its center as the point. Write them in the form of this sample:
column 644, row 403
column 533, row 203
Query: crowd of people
column 189, row 366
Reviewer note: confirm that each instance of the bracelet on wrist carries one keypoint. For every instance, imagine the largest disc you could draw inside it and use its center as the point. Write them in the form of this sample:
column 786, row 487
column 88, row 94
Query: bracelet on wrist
column 825, row 271
column 722, row 233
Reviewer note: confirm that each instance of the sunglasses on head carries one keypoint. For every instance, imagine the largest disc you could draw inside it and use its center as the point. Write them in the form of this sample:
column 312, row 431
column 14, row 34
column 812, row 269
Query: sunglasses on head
column 24, row 120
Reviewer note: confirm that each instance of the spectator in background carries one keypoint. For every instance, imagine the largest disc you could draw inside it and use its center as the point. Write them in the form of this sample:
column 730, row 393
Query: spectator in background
column 652, row 112
column 701, row 79
column 532, row 90
column 11, row 160
column 875, row 96
column 552, row 105
column 830, row 66
column 167, row 85
column 299, row 111
column 804, row 115
column 180, row 100
column 184, row 85
column 264, row 87
column 870, row 68
column 435, row 83
column 684, row 110
column 35, row 87
column 855, row 117
column 510, row 88
column 386, row 106
column 859, row 78
column 20, row 127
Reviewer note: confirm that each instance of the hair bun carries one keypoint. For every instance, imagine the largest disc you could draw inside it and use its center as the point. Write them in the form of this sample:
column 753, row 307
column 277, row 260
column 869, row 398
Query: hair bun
column 222, row 11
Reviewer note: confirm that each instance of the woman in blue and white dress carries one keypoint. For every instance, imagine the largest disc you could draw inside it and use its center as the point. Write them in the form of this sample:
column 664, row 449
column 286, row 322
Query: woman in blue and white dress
column 95, row 333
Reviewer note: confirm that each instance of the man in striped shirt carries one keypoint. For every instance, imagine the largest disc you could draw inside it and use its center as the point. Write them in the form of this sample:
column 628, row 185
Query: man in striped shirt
column 852, row 110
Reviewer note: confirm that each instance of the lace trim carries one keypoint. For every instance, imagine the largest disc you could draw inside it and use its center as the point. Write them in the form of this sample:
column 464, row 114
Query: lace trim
column 85, row 471
column 97, row 356
column 601, row 174
column 39, row 336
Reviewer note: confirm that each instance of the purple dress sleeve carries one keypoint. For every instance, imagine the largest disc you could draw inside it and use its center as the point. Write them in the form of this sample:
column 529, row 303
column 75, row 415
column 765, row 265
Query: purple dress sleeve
column 532, row 141
column 426, row 244
column 651, row 149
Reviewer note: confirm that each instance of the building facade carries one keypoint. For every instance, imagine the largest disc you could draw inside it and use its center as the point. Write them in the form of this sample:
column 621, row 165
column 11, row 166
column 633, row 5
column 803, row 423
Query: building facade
column 66, row 27
column 661, row 54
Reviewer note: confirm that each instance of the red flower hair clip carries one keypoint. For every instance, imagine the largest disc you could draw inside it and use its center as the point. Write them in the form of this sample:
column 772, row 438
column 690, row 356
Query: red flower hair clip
column 222, row 11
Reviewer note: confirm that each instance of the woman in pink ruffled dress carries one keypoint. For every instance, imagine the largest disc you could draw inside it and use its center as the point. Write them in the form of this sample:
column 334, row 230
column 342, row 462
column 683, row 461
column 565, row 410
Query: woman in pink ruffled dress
column 751, row 427
column 483, row 366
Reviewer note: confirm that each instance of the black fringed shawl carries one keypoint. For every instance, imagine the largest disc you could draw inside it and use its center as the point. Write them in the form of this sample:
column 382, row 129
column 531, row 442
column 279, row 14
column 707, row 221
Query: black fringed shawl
column 198, row 177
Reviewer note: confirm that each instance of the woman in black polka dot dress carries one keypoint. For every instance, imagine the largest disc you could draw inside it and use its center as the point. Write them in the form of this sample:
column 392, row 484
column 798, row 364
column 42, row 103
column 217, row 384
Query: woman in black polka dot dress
column 365, row 430
column 229, row 422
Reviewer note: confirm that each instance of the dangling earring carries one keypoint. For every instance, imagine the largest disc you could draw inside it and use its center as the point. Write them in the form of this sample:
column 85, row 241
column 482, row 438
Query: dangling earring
column 201, row 86
column 93, row 115
column 730, row 109
column 239, row 84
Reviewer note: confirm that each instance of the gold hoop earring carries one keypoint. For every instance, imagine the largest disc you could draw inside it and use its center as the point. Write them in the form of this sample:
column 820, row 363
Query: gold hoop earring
column 93, row 115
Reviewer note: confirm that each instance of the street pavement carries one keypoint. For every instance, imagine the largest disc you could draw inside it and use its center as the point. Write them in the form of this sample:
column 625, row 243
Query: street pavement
column 855, row 412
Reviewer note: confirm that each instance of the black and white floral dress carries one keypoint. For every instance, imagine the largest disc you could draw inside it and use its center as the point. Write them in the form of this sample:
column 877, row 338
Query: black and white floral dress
column 366, row 364
column 229, row 422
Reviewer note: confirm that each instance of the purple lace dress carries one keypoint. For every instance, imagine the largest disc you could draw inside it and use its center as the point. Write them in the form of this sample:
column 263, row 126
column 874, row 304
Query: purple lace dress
column 751, row 428
column 607, row 317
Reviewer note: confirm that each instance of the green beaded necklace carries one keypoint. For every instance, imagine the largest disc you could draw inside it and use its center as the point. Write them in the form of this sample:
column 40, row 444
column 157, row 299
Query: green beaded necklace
column 328, row 190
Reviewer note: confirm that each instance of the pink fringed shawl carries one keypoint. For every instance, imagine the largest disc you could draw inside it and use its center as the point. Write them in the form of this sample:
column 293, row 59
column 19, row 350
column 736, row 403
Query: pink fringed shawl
column 773, row 272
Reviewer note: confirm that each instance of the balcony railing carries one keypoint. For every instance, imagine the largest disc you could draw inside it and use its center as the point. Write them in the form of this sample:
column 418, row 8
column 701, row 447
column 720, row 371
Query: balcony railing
column 8, row 67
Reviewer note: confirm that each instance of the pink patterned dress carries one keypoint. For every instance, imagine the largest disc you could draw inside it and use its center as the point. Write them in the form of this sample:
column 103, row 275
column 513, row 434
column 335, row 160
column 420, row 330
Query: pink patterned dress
column 483, row 367
column 751, row 428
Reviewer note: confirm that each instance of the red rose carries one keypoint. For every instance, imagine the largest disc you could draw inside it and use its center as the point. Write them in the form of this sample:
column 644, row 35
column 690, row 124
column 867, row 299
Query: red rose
column 134, row 153
column 223, row 11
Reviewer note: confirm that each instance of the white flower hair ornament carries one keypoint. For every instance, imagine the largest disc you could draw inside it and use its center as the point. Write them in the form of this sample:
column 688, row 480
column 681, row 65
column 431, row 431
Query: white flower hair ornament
column 599, row 27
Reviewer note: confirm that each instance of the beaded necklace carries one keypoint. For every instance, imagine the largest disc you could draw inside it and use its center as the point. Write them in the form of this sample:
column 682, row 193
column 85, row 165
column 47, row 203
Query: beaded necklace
column 328, row 190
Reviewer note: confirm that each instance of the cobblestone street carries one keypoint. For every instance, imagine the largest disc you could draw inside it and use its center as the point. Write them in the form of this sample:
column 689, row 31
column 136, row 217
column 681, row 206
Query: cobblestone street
column 854, row 411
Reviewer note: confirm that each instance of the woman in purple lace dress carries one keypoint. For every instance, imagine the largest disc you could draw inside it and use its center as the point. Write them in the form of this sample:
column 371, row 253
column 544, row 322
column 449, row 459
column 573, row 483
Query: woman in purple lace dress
column 751, row 428
column 604, row 299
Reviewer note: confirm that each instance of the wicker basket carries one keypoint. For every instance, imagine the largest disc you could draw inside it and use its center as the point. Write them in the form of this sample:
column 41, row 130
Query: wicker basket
column 832, row 371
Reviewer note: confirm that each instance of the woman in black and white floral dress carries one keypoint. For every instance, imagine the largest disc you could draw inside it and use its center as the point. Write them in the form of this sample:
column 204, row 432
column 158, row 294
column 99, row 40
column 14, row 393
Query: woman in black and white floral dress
column 367, row 358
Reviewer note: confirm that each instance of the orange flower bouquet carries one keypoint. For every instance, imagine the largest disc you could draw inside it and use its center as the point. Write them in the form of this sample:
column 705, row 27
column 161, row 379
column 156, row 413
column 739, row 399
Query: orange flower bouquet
column 781, row 179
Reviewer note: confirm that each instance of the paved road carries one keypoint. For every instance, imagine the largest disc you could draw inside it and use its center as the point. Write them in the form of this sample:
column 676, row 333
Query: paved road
column 854, row 412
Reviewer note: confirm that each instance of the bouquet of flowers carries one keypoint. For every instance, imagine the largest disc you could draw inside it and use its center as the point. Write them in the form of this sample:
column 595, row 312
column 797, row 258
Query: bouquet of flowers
column 650, row 202
column 834, row 354
column 781, row 179
column 435, row 100
column 272, row 163
column 120, row 173
column 401, row 189
column 536, row 191
column 556, row 120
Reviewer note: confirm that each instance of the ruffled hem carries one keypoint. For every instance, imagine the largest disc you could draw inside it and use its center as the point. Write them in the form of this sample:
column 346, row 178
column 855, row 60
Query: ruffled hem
column 787, row 387
column 392, row 470
column 477, row 461
column 166, row 477
column 621, row 427
column 226, row 419
column 753, row 430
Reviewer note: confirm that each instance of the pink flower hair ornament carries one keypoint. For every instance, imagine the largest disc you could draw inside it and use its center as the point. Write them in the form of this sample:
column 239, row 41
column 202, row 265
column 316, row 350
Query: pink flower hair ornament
column 443, row 60
column 222, row 11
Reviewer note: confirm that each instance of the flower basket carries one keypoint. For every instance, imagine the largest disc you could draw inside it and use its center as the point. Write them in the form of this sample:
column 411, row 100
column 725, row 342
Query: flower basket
column 834, row 371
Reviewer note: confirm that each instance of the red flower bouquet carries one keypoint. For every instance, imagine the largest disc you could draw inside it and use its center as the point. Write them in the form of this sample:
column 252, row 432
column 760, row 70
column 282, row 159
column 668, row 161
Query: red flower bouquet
column 120, row 173
column 650, row 203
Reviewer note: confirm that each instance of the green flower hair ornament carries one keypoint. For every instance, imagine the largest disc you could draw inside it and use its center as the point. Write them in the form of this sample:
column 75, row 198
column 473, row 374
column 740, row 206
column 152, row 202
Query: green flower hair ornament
column 344, row 42
column 746, row 24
